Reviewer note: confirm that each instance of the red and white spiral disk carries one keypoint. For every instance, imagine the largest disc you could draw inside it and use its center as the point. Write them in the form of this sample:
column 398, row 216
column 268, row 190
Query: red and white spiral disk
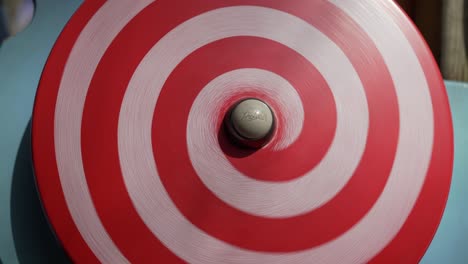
column 133, row 164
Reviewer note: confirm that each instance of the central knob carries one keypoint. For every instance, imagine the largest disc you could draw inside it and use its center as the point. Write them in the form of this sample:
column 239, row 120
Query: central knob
column 251, row 122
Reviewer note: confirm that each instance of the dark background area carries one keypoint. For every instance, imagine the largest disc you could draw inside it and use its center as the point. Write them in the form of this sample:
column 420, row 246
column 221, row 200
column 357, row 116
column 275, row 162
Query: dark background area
column 442, row 23
column 3, row 29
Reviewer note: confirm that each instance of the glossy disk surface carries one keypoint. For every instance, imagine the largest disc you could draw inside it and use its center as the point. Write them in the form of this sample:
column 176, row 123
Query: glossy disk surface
column 134, row 166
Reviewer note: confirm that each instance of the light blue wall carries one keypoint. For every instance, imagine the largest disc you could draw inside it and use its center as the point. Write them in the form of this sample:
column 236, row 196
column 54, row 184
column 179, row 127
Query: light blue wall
column 24, row 235
column 21, row 61
column 450, row 244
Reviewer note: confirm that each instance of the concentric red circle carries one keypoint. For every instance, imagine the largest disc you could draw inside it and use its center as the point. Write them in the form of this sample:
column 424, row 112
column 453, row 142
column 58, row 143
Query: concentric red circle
column 195, row 201
column 242, row 229
column 181, row 181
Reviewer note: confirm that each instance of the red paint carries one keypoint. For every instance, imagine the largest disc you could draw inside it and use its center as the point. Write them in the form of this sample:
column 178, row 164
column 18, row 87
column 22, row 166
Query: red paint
column 99, row 139
column 44, row 158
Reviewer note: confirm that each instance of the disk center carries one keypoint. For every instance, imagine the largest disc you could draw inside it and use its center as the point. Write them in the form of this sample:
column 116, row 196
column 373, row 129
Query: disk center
column 251, row 122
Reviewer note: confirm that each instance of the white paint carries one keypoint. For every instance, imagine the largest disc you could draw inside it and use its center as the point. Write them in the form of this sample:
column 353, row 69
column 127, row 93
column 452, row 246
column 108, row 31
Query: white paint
column 362, row 241
column 357, row 245
column 268, row 198
column 79, row 69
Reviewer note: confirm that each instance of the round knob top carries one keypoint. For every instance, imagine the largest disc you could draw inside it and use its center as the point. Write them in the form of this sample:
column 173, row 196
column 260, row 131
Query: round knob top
column 252, row 119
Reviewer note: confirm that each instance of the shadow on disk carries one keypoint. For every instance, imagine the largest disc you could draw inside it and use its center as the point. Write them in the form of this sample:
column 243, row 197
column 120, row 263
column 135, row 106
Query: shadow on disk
column 34, row 240
column 230, row 148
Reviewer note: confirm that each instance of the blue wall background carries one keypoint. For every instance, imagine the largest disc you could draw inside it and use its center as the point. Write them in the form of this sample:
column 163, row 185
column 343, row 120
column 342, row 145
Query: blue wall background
column 450, row 244
column 25, row 236
column 24, row 233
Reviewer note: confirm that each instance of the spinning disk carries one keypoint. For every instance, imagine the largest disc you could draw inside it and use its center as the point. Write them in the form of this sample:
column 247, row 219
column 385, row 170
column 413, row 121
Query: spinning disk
column 134, row 163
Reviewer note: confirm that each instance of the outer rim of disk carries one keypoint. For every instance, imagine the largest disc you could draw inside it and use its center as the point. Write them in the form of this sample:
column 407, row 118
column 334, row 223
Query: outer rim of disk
column 40, row 134
column 63, row 44
column 415, row 38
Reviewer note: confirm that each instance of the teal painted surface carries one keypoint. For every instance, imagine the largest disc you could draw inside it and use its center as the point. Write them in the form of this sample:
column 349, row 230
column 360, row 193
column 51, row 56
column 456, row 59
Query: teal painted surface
column 450, row 244
column 24, row 234
column 21, row 61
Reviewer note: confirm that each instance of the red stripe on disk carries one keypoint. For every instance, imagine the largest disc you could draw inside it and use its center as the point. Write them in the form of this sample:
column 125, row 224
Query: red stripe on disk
column 47, row 177
column 101, row 161
column 234, row 53
column 415, row 236
column 227, row 223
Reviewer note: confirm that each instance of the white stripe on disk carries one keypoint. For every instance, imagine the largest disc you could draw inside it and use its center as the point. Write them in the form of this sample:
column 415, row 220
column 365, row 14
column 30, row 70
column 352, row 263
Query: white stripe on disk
column 79, row 69
column 358, row 244
column 278, row 199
